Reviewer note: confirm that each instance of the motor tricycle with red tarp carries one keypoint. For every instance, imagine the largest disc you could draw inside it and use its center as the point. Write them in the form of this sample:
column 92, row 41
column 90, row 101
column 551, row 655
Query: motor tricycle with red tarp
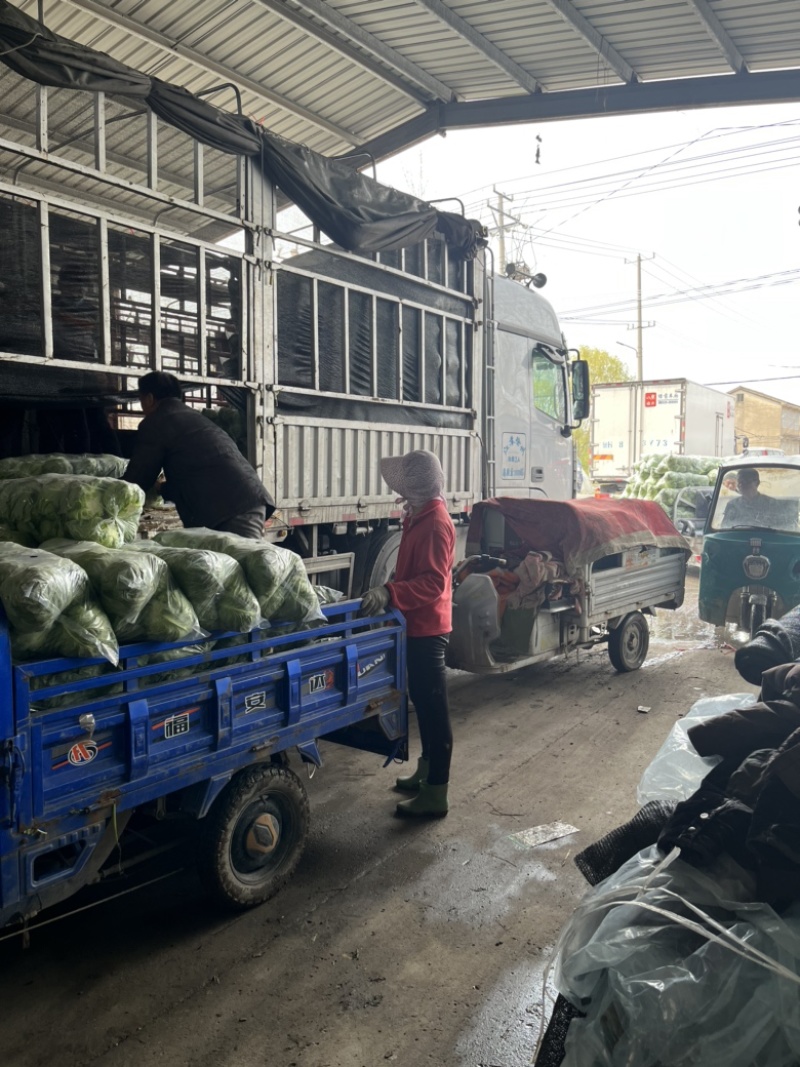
column 542, row 577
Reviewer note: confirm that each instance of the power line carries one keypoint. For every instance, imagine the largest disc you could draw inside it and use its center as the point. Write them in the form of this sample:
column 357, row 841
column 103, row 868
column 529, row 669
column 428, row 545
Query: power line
column 724, row 312
column 717, row 133
column 751, row 381
column 677, row 172
column 679, row 296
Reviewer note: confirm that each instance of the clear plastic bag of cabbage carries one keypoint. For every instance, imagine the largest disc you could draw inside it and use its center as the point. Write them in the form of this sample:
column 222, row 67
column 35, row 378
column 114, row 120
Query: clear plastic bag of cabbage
column 63, row 678
column 32, row 466
column 75, row 506
column 7, row 534
column 214, row 583
column 276, row 575
column 50, row 609
column 666, row 498
column 173, row 655
column 327, row 595
column 136, row 591
column 100, row 466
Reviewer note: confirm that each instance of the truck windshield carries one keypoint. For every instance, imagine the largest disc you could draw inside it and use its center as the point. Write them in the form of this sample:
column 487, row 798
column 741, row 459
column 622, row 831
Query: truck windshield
column 549, row 395
column 759, row 498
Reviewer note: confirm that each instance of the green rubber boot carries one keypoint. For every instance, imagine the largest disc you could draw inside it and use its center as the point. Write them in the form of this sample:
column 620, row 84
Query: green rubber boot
column 429, row 803
column 412, row 782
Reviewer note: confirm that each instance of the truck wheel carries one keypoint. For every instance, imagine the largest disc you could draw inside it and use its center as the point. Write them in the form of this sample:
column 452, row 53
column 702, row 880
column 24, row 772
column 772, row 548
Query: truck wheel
column 629, row 642
column 376, row 560
column 254, row 836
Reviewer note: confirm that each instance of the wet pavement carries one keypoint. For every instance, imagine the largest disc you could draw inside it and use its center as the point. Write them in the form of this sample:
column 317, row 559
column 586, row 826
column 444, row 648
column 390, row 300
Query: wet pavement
column 394, row 942
column 683, row 625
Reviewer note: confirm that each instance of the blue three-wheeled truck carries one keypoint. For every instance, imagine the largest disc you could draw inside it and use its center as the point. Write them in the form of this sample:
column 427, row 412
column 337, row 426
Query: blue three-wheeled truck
column 208, row 739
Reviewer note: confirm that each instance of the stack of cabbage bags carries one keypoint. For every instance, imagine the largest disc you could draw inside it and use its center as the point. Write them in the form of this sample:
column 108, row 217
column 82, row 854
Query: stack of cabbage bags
column 276, row 575
column 135, row 589
column 213, row 582
column 50, row 607
column 661, row 477
column 100, row 466
column 76, row 506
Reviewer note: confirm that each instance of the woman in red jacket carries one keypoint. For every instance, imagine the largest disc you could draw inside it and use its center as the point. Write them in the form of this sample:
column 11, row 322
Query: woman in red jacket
column 422, row 590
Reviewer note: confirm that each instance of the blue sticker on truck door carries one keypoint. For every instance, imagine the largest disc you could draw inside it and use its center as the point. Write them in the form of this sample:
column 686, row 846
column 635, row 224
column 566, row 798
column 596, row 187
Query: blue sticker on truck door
column 513, row 455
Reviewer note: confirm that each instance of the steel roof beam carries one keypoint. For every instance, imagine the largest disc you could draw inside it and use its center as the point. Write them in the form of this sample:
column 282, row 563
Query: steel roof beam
column 372, row 54
column 594, row 38
column 782, row 86
column 719, row 35
column 481, row 44
column 145, row 33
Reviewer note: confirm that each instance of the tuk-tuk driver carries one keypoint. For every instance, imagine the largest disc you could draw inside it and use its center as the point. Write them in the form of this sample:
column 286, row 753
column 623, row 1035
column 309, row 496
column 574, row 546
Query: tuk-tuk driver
column 750, row 508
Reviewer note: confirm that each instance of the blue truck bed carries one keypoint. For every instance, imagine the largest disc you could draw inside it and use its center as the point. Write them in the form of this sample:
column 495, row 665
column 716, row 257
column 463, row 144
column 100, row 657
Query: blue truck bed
column 71, row 776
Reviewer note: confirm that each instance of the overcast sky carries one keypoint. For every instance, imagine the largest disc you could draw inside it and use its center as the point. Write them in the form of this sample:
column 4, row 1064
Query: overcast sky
column 709, row 197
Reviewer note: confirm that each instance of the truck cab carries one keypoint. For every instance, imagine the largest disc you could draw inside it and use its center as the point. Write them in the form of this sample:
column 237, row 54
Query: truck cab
column 539, row 397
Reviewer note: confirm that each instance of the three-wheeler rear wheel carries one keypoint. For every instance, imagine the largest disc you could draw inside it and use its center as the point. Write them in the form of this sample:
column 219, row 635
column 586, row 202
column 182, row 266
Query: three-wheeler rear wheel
column 254, row 836
column 628, row 643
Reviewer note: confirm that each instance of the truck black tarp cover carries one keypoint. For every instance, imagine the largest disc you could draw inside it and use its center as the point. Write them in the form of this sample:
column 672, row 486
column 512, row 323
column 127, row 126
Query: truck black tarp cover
column 354, row 210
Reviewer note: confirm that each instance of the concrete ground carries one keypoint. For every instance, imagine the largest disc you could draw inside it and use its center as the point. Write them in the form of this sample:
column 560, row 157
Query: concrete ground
column 393, row 943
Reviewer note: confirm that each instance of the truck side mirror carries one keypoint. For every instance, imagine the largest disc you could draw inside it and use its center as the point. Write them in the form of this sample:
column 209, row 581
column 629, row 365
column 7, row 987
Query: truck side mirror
column 580, row 390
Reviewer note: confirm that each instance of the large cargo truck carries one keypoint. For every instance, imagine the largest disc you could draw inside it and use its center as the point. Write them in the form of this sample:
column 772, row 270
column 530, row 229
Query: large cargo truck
column 129, row 245
column 630, row 420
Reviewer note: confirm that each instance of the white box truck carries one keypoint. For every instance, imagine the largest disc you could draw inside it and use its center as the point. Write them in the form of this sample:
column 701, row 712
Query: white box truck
column 630, row 420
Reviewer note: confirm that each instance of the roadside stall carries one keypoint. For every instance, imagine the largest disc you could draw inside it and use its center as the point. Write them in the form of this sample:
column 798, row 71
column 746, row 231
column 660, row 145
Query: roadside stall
column 543, row 576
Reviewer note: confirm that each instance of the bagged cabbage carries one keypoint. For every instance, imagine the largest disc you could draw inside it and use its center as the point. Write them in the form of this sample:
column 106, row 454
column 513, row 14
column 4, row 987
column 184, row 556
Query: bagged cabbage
column 276, row 575
column 7, row 534
column 32, row 466
column 171, row 655
column 73, row 506
column 327, row 595
column 100, row 466
column 63, row 678
column 50, row 608
column 214, row 583
column 136, row 591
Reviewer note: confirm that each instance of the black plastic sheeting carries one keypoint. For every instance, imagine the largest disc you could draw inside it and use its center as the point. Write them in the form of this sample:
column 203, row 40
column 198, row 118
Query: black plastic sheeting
column 354, row 210
column 597, row 862
column 343, row 333
column 776, row 642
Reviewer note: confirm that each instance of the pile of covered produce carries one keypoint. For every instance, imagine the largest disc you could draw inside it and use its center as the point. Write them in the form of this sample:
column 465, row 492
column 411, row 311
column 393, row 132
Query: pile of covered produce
column 50, row 607
column 213, row 582
column 661, row 477
column 99, row 466
column 136, row 591
column 75, row 582
column 687, row 949
column 76, row 506
column 276, row 575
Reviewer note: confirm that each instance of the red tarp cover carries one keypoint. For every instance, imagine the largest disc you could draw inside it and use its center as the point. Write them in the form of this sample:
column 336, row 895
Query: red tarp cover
column 578, row 532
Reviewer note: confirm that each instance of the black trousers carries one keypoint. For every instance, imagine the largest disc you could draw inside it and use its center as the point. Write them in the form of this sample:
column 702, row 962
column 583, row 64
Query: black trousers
column 247, row 524
column 427, row 687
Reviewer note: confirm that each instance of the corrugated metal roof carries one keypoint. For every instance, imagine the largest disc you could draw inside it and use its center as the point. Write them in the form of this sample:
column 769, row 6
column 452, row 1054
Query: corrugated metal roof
column 339, row 74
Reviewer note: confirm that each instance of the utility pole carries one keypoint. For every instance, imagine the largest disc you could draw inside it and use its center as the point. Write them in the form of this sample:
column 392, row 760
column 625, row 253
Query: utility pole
column 500, row 212
column 639, row 324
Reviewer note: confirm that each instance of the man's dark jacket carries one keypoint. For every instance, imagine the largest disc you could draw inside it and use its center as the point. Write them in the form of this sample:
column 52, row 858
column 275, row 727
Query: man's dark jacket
column 208, row 478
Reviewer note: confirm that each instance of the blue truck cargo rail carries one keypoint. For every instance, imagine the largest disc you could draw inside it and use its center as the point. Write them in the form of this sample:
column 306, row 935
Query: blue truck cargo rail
column 206, row 735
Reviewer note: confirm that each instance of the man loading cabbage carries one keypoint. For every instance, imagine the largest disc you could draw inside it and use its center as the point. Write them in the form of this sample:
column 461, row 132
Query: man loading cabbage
column 206, row 476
